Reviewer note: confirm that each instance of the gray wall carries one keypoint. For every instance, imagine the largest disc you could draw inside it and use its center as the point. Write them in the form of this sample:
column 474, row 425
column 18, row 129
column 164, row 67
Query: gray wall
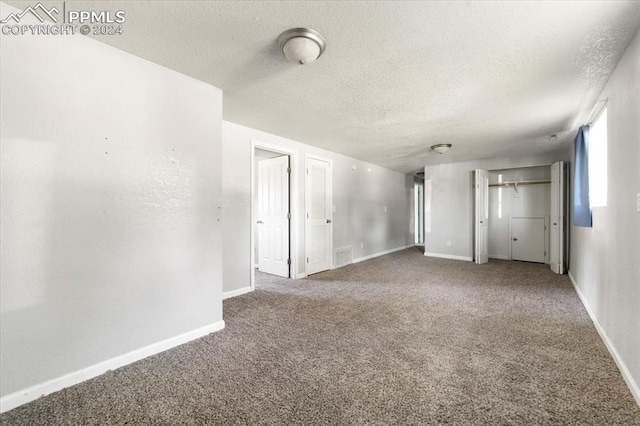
column 359, row 197
column 449, row 200
column 605, row 259
column 110, row 186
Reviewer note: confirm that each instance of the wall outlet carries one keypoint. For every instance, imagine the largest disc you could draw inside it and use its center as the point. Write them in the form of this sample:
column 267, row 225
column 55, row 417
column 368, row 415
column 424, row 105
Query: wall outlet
column 361, row 245
column 385, row 209
column 638, row 203
column 448, row 243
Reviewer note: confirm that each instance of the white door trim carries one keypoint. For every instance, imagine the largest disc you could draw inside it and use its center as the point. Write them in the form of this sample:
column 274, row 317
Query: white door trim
column 293, row 206
column 330, row 196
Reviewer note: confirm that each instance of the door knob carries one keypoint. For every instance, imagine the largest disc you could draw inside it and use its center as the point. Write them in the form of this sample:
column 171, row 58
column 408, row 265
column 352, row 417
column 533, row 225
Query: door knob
column 260, row 222
column 328, row 220
column 515, row 239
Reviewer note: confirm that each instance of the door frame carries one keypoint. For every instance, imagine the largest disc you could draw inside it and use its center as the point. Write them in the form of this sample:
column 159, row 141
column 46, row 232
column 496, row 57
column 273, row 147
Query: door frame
column 330, row 196
column 293, row 206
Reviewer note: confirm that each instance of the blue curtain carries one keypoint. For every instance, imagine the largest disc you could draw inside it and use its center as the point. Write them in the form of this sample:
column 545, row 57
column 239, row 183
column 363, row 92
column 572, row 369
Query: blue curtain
column 581, row 209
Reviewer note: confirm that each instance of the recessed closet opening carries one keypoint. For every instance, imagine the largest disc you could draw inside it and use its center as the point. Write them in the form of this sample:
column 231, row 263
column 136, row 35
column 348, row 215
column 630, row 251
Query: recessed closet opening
column 520, row 214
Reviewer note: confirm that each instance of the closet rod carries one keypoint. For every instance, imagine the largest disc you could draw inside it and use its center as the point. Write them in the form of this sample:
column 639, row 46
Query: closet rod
column 524, row 182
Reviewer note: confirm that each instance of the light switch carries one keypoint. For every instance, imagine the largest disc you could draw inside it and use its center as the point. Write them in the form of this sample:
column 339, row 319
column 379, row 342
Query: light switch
column 334, row 209
column 638, row 203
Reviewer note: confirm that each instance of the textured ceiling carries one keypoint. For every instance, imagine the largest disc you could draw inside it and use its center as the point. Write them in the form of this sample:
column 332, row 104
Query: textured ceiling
column 492, row 78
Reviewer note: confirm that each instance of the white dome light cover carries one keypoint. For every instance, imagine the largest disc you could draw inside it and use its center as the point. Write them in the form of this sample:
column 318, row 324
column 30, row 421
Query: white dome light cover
column 441, row 148
column 301, row 45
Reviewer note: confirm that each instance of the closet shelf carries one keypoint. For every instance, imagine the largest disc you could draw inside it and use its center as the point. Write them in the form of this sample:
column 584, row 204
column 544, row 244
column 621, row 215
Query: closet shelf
column 524, row 182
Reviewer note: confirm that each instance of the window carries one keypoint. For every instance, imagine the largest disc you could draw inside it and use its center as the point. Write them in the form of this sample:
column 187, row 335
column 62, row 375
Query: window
column 597, row 159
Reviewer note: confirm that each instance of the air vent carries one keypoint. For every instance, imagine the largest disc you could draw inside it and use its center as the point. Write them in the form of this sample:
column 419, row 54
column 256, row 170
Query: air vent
column 342, row 256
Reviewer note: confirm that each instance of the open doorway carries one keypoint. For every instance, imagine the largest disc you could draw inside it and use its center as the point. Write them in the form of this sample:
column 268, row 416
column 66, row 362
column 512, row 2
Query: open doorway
column 272, row 233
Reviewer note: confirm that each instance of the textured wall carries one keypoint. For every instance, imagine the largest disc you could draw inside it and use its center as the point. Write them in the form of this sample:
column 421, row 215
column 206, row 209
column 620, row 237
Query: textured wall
column 359, row 197
column 605, row 259
column 110, row 190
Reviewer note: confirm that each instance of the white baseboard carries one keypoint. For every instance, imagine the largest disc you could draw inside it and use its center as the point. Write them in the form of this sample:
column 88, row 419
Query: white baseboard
column 382, row 253
column 626, row 374
column 449, row 256
column 301, row 276
column 499, row 256
column 234, row 293
column 32, row 393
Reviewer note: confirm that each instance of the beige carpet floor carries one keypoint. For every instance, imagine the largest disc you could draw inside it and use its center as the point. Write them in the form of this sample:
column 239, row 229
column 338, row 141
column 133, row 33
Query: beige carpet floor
column 401, row 339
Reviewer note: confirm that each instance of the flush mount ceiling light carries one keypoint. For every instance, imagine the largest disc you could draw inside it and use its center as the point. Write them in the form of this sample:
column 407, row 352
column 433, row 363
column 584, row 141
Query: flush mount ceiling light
column 301, row 45
column 441, row 148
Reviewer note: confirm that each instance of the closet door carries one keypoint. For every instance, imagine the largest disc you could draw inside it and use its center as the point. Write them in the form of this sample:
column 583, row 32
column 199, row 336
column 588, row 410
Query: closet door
column 318, row 233
column 557, row 238
column 482, row 216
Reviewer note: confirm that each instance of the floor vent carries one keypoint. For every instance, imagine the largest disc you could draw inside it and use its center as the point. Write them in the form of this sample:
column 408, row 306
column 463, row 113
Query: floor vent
column 342, row 256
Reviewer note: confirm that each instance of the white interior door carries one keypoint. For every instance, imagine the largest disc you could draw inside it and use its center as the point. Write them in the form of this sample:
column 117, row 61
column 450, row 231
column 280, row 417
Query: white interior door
column 527, row 239
column 318, row 216
column 482, row 216
column 557, row 238
column 273, row 216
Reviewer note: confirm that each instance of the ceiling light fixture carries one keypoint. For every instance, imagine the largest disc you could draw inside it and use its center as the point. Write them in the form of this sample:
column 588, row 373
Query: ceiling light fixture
column 301, row 45
column 441, row 148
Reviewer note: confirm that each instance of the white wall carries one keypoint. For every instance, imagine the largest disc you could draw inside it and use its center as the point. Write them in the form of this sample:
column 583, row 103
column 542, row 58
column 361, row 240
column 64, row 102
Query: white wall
column 527, row 201
column 449, row 201
column 110, row 187
column 359, row 197
column 605, row 259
